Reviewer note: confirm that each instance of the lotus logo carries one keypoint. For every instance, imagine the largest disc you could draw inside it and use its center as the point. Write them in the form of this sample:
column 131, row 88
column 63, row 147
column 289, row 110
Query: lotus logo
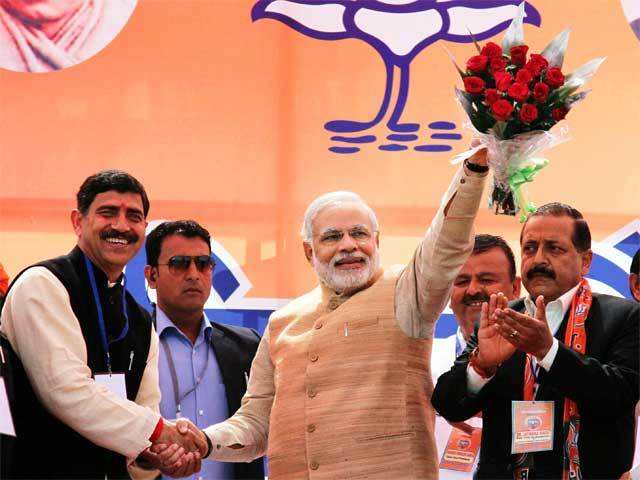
column 533, row 422
column 631, row 10
column 463, row 443
column 398, row 30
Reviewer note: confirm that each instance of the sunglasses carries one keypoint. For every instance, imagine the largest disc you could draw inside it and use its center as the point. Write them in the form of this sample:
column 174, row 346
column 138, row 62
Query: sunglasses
column 181, row 263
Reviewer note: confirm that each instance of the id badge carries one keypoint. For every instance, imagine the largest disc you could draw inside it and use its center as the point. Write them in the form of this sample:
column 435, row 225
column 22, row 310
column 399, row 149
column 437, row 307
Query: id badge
column 6, row 420
column 461, row 450
column 531, row 426
column 114, row 382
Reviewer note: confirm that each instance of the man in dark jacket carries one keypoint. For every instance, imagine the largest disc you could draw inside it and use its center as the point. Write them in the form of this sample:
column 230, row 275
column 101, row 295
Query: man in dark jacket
column 575, row 353
column 82, row 354
column 203, row 365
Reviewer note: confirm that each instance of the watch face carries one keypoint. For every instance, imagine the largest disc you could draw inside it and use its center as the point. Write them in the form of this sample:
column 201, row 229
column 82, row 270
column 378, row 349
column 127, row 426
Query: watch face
column 41, row 36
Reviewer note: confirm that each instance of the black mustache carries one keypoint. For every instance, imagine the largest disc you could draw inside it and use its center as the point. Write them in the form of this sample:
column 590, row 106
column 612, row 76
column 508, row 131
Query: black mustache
column 129, row 237
column 541, row 270
column 478, row 297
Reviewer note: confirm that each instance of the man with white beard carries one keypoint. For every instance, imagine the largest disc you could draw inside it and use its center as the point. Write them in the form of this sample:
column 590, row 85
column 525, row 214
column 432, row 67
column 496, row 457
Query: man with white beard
column 340, row 386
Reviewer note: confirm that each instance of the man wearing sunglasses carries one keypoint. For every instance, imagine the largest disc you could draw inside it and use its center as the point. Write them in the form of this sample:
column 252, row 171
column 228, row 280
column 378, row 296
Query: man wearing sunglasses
column 203, row 365
column 83, row 353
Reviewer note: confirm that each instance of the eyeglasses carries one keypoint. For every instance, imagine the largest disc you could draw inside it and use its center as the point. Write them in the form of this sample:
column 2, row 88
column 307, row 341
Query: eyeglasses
column 332, row 236
column 181, row 263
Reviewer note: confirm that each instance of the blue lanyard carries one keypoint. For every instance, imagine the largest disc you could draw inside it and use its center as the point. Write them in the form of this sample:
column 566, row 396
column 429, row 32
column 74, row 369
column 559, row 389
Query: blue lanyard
column 103, row 330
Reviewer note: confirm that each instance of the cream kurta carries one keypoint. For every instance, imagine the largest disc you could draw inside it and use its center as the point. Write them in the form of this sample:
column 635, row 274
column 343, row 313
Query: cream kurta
column 341, row 385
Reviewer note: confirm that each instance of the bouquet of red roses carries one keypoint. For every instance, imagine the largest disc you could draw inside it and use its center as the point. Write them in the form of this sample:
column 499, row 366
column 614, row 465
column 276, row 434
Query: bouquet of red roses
column 513, row 100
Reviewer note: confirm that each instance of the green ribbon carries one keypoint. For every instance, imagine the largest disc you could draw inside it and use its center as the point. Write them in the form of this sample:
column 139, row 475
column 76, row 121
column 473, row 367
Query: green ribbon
column 519, row 178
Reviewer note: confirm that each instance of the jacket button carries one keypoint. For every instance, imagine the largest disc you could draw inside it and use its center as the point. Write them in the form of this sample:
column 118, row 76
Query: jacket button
column 311, row 428
column 314, row 465
column 312, row 393
column 314, row 357
column 318, row 326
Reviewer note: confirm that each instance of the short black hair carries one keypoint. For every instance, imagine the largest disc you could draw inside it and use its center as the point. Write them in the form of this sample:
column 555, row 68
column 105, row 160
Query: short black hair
column 186, row 228
column 635, row 263
column 108, row 180
column 485, row 242
column 581, row 237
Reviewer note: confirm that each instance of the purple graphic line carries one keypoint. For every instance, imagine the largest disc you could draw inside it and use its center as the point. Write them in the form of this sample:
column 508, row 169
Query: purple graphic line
column 344, row 149
column 341, row 14
column 433, row 148
column 399, row 137
column 361, row 139
column 393, row 147
column 446, row 136
column 442, row 126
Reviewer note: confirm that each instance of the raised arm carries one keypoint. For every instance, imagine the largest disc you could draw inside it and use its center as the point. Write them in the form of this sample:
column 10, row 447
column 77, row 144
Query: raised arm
column 424, row 287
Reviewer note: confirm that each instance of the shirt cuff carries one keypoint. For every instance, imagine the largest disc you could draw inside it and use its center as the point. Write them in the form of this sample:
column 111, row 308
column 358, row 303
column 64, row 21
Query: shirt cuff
column 548, row 359
column 474, row 381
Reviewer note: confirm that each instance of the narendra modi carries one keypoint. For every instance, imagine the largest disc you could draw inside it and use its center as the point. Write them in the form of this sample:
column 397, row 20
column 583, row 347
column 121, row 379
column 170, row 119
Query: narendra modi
column 340, row 386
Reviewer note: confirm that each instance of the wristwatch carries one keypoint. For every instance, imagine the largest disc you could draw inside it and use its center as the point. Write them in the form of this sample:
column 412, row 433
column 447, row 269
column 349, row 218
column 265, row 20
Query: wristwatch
column 474, row 167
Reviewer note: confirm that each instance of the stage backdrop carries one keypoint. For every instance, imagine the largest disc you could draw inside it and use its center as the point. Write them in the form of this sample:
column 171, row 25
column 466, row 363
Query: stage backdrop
column 237, row 113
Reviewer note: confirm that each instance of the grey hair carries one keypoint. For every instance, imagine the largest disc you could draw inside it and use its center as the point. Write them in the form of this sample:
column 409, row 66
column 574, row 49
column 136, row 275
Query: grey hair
column 330, row 199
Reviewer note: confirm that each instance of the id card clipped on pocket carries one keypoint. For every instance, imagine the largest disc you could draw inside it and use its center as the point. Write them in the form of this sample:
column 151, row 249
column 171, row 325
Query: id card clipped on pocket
column 531, row 426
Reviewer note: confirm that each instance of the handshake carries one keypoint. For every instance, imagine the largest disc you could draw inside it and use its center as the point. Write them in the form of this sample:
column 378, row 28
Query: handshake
column 178, row 451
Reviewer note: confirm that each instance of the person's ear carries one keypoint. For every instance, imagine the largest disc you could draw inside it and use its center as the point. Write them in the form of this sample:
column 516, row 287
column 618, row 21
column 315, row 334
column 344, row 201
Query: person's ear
column 150, row 273
column 308, row 251
column 76, row 218
column 586, row 258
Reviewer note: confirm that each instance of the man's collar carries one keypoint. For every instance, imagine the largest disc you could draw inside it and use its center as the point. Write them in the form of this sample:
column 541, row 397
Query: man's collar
column 563, row 302
column 163, row 322
column 101, row 278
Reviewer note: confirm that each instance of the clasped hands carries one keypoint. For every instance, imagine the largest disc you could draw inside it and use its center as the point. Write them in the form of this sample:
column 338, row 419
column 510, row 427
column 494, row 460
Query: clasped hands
column 502, row 331
column 179, row 450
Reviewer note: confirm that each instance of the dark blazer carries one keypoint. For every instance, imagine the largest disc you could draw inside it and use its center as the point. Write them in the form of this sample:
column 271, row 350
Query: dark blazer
column 235, row 348
column 604, row 383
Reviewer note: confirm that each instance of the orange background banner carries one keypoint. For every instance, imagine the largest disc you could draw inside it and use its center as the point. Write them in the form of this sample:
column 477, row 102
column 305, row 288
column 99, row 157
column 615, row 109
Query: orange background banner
column 222, row 118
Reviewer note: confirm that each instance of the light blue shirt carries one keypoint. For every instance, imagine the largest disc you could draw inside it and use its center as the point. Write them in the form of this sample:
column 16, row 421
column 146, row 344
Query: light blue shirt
column 205, row 405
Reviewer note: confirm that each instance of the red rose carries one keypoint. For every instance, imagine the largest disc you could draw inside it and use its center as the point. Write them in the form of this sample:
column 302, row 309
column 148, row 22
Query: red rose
column 498, row 64
column 491, row 50
column 477, row 63
column 554, row 77
column 536, row 64
column 473, row 84
column 492, row 96
column 524, row 76
column 528, row 113
column 540, row 91
column 519, row 55
column 559, row 113
column 503, row 81
column 502, row 109
column 519, row 92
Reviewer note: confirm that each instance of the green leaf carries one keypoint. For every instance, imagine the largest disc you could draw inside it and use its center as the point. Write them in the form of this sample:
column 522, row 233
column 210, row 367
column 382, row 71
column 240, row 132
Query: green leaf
column 499, row 128
column 515, row 33
column 554, row 52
